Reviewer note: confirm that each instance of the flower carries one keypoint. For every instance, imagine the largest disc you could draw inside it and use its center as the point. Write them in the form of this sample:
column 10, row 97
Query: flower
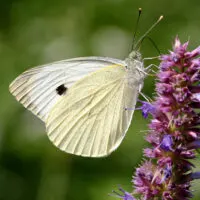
column 147, row 175
column 147, row 108
column 174, row 134
column 167, row 143
column 125, row 195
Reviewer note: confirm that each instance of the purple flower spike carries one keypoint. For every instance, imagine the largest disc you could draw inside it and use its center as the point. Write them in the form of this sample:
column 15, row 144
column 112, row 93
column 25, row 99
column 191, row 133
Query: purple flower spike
column 147, row 108
column 174, row 134
column 174, row 130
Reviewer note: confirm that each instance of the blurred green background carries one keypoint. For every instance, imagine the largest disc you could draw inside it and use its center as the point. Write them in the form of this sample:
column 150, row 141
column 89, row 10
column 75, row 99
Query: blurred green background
column 34, row 32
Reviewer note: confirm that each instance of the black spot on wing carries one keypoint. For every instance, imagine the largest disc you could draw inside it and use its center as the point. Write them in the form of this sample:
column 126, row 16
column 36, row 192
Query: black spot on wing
column 61, row 89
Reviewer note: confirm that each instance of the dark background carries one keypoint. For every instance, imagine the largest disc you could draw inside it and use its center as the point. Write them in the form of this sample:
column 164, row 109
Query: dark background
column 34, row 32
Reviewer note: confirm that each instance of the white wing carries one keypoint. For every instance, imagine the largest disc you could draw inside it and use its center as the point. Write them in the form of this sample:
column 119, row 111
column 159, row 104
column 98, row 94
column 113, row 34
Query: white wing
column 36, row 88
column 92, row 119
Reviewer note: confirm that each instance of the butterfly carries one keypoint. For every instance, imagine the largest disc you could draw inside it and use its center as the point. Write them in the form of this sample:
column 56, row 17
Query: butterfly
column 83, row 101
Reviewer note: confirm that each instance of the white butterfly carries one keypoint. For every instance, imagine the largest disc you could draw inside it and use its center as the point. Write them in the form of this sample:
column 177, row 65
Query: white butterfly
column 83, row 101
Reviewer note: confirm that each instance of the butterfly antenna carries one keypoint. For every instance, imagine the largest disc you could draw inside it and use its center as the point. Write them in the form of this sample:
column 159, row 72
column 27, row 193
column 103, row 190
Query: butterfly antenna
column 136, row 28
column 153, row 43
column 136, row 46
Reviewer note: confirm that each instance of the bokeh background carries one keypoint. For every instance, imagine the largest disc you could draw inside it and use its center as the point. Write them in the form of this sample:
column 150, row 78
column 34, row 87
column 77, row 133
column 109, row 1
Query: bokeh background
column 34, row 32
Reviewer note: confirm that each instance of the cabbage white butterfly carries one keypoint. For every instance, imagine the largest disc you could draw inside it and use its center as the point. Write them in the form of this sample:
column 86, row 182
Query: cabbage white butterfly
column 83, row 101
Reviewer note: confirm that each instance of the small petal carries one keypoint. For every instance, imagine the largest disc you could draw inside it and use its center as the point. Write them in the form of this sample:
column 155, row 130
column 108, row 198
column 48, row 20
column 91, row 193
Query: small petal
column 195, row 104
column 194, row 66
column 166, row 65
column 164, row 103
column 182, row 94
column 165, row 76
column 188, row 154
column 177, row 43
column 149, row 153
column 163, row 88
column 164, row 161
column 195, row 175
column 192, row 134
column 128, row 196
column 194, row 89
column 193, row 53
column 179, row 49
column 125, row 195
column 195, row 97
column 152, row 153
column 190, row 177
column 147, row 175
column 158, row 126
column 153, row 138
column 147, row 108
column 194, row 145
column 180, row 79
column 165, row 57
column 167, row 195
column 195, row 77
column 167, row 172
column 167, row 143
column 185, row 165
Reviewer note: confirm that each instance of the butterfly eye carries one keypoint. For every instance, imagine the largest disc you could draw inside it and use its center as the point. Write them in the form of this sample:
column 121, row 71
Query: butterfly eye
column 61, row 89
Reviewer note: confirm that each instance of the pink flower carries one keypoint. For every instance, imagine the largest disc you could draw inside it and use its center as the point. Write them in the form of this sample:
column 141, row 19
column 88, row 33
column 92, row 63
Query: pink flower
column 174, row 133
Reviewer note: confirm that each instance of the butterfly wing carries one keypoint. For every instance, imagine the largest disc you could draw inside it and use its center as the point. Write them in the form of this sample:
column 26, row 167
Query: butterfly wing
column 36, row 88
column 92, row 119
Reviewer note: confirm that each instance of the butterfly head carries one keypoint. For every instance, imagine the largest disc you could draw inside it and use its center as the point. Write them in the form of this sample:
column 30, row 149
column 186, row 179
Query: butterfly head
column 135, row 55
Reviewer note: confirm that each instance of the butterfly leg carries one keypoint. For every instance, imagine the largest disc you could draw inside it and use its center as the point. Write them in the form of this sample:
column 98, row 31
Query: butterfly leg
column 149, row 69
column 151, row 58
column 148, row 99
column 150, row 66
